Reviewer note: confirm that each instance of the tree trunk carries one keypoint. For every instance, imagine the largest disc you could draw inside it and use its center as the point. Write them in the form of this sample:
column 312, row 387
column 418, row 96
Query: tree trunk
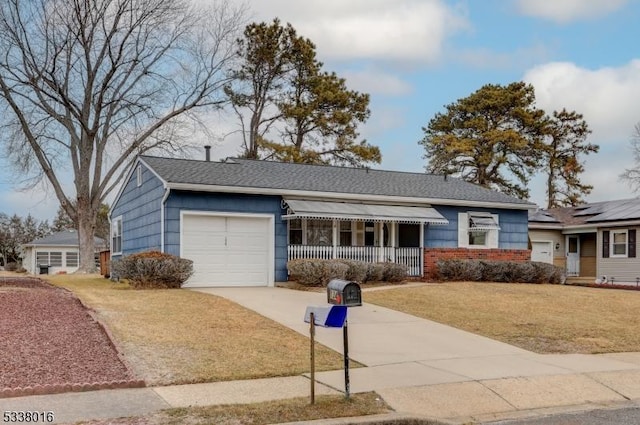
column 86, row 240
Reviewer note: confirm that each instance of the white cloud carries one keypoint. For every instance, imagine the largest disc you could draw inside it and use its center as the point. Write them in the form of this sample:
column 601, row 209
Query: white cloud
column 563, row 11
column 608, row 99
column 373, row 81
column 402, row 30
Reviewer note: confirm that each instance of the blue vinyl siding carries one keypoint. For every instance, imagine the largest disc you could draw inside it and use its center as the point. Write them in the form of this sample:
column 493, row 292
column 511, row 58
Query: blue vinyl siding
column 513, row 232
column 140, row 211
column 226, row 202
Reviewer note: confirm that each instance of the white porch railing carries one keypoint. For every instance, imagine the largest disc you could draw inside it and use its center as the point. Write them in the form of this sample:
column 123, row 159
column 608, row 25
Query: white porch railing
column 410, row 257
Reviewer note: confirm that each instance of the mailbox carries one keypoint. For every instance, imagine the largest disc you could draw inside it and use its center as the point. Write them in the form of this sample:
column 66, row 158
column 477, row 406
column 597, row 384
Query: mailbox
column 343, row 292
column 332, row 316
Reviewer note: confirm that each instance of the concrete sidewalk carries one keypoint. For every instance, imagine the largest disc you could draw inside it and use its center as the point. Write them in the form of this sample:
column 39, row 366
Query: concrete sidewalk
column 420, row 368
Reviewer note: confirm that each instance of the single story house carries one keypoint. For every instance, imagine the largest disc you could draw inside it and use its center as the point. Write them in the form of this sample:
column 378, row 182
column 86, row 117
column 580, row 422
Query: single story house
column 241, row 220
column 592, row 241
column 58, row 252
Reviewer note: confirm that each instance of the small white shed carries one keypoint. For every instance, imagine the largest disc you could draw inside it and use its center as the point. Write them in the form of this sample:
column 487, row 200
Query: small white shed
column 58, row 252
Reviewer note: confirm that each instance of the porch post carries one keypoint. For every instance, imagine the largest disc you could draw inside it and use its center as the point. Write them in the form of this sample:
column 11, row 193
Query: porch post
column 392, row 237
column 334, row 237
column 381, row 242
column 422, row 249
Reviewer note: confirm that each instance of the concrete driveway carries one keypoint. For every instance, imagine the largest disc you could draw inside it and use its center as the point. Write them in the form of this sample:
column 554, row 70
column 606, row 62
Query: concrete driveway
column 401, row 350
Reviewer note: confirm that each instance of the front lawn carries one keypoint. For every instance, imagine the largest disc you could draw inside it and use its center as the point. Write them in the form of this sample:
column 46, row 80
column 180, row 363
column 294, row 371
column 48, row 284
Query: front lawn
column 540, row 318
column 178, row 336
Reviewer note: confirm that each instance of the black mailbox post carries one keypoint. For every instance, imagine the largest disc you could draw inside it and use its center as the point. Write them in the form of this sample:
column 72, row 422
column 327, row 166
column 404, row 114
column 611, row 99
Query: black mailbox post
column 344, row 292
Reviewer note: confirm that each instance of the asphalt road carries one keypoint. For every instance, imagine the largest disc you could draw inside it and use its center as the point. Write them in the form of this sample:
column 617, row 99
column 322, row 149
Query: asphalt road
column 622, row 416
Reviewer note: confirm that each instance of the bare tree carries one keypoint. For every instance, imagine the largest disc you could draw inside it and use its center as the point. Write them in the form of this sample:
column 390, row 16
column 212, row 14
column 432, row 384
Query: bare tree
column 86, row 85
column 632, row 175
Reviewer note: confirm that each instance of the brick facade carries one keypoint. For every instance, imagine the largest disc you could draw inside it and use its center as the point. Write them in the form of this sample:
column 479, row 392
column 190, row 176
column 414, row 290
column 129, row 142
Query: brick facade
column 432, row 255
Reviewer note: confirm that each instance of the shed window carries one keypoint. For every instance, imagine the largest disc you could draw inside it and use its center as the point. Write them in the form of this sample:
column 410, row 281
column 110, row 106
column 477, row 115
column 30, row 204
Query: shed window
column 45, row 258
column 139, row 175
column 72, row 259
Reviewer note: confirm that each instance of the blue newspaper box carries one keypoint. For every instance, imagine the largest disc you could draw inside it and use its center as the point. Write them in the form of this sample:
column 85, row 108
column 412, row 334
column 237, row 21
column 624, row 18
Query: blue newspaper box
column 332, row 316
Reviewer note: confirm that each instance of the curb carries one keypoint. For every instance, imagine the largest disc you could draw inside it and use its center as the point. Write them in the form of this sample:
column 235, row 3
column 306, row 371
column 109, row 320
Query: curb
column 65, row 388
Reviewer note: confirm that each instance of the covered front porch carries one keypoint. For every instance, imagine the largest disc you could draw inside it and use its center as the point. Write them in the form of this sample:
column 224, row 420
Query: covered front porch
column 364, row 232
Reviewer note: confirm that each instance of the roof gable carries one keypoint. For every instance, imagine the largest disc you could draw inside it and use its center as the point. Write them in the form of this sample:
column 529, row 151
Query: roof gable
column 269, row 175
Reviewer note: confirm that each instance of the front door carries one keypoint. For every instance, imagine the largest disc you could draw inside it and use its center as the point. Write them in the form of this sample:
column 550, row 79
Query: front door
column 573, row 255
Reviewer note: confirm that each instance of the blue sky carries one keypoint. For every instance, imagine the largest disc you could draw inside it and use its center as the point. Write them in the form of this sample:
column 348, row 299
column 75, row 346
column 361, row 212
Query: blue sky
column 416, row 56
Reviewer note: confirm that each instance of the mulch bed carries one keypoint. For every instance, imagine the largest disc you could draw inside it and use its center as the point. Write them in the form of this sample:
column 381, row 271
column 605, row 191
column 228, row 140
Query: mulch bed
column 50, row 343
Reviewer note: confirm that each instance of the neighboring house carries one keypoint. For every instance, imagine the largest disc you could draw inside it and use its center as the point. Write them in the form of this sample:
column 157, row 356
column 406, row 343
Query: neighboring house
column 591, row 241
column 58, row 252
column 240, row 220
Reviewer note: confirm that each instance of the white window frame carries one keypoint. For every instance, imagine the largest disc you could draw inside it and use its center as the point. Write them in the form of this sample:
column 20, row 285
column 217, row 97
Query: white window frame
column 492, row 238
column 114, row 235
column 612, row 253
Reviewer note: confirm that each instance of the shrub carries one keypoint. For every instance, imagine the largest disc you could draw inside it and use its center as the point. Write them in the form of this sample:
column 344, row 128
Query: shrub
column 394, row 272
column 357, row 270
column 500, row 271
column 459, row 270
column 11, row 266
column 153, row 270
column 375, row 272
column 316, row 272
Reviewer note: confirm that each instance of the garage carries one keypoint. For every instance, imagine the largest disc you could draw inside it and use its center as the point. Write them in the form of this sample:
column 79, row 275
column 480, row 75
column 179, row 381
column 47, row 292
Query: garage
column 228, row 250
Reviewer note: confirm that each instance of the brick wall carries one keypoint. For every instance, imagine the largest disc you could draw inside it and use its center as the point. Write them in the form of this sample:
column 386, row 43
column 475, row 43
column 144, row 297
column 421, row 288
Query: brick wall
column 432, row 255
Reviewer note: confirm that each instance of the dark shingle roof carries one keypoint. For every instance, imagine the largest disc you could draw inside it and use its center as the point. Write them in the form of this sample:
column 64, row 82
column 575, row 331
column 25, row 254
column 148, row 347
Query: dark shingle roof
column 63, row 238
column 322, row 178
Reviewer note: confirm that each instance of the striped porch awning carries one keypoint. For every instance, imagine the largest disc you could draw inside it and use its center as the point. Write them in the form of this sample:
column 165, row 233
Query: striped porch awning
column 297, row 208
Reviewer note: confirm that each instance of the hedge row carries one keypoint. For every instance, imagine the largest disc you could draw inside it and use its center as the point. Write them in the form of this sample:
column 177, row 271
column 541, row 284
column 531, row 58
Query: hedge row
column 152, row 269
column 500, row 271
column 316, row 272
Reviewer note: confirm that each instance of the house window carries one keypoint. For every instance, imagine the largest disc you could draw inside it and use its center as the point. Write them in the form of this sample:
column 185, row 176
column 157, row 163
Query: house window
column 345, row 233
column 478, row 238
column 319, row 232
column 139, row 175
column 295, row 232
column 71, row 259
column 116, row 235
column 619, row 243
column 478, row 230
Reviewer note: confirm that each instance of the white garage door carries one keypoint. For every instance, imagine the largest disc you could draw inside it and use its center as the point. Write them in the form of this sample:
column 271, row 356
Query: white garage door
column 227, row 250
column 542, row 251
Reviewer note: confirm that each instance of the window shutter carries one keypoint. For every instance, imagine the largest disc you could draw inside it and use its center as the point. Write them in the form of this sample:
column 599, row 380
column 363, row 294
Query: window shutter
column 463, row 230
column 605, row 244
column 631, row 240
